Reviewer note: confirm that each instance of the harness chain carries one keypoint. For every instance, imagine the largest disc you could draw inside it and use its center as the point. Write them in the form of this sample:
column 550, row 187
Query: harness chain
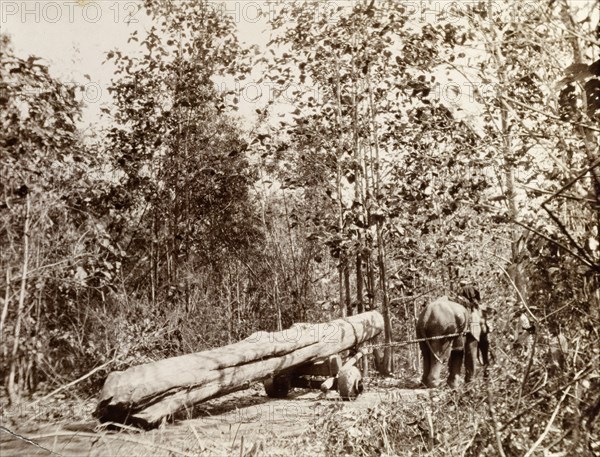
column 417, row 340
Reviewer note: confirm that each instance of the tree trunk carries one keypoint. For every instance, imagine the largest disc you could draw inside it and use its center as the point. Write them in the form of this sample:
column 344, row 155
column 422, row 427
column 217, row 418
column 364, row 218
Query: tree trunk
column 381, row 260
column 339, row 172
column 146, row 393
column 347, row 289
column 509, row 165
column 388, row 361
column 11, row 388
column 515, row 268
column 6, row 300
column 359, row 285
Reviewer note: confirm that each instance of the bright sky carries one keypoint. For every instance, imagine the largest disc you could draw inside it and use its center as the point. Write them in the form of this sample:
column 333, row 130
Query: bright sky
column 73, row 36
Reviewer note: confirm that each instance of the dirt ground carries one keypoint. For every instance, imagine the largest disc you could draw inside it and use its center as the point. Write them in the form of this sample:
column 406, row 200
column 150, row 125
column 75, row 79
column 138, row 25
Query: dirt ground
column 245, row 423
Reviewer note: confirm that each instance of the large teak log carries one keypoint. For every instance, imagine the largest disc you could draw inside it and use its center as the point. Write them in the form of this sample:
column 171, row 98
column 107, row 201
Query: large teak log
column 144, row 394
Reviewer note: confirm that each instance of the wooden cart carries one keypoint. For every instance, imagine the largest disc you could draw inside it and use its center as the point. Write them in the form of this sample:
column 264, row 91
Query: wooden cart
column 336, row 372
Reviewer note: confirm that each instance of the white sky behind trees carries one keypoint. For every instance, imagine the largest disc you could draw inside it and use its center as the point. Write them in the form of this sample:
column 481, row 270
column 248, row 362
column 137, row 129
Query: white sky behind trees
column 73, row 37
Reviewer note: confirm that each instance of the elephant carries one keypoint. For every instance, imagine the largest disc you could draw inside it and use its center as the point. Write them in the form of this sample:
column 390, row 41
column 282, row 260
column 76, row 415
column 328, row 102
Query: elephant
column 446, row 317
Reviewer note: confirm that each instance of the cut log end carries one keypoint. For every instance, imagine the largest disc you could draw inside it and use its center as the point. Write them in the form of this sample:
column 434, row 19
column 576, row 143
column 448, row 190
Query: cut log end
column 120, row 414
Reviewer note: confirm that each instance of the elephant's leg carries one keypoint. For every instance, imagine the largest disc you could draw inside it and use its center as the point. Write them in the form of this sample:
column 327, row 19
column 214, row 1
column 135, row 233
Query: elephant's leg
column 454, row 366
column 470, row 357
column 435, row 364
column 426, row 361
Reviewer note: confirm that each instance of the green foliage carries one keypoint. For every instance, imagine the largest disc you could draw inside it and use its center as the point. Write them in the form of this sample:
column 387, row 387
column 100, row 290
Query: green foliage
column 46, row 184
column 160, row 212
column 179, row 158
column 458, row 190
column 365, row 89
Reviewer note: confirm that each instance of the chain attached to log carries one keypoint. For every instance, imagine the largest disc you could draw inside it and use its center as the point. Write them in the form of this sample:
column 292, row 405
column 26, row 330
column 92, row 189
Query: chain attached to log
column 417, row 340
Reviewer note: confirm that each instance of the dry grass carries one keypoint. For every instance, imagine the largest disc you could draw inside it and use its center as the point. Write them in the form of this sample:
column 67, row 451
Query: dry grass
column 480, row 419
column 522, row 409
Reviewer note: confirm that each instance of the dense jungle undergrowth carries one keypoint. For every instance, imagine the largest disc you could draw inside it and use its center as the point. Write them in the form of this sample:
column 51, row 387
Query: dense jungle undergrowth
column 396, row 158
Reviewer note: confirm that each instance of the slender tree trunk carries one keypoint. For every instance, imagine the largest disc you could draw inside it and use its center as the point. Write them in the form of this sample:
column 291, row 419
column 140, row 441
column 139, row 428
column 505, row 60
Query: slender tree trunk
column 359, row 284
column 347, row 289
column 508, row 159
column 385, row 308
column 229, row 310
column 342, row 256
column 6, row 301
column 511, row 196
column 516, row 268
column 359, row 204
column 362, row 260
column 381, row 255
column 238, row 295
column 11, row 388
column 296, row 272
column 371, row 283
column 153, row 260
column 338, row 177
column 278, row 305
column 417, row 357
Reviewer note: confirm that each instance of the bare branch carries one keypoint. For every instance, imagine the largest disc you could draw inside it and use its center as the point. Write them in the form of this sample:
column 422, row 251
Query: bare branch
column 512, row 283
column 578, row 377
column 551, row 116
column 547, row 192
column 565, row 232
column 72, row 383
column 557, row 243
column 548, row 425
column 494, row 423
column 573, row 181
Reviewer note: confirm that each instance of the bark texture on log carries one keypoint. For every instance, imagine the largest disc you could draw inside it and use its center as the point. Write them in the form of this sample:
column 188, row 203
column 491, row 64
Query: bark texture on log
column 144, row 394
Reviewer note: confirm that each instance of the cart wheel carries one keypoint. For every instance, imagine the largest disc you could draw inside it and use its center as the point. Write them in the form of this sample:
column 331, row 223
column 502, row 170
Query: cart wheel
column 277, row 386
column 350, row 383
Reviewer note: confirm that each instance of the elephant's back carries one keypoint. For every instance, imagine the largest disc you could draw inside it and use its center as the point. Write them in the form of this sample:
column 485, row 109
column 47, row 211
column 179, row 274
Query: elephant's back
column 441, row 317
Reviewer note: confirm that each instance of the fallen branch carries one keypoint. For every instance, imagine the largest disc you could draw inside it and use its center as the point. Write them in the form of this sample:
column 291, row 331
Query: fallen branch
column 72, row 383
column 115, row 437
column 578, row 377
column 548, row 425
